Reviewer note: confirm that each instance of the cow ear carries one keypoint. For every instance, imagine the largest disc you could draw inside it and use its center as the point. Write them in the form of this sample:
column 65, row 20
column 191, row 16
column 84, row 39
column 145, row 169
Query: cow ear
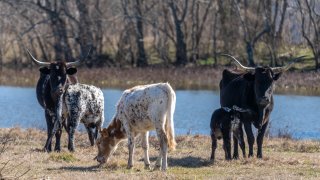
column 71, row 71
column 248, row 77
column 277, row 76
column 44, row 70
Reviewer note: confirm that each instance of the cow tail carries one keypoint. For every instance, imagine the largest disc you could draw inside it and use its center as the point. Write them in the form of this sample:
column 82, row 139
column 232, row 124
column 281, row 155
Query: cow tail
column 169, row 119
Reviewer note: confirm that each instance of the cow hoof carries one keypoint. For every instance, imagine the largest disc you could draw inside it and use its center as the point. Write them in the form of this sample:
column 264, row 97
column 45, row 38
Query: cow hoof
column 71, row 148
column 235, row 157
column 57, row 149
column 46, row 150
column 147, row 167
column 259, row 156
column 156, row 167
column 129, row 167
column 164, row 169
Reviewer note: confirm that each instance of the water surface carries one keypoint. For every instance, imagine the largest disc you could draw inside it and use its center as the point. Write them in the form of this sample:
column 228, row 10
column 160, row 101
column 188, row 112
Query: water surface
column 296, row 115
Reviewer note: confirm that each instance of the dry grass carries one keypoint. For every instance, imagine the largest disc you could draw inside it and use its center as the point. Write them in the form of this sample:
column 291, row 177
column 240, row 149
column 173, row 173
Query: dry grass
column 304, row 83
column 283, row 159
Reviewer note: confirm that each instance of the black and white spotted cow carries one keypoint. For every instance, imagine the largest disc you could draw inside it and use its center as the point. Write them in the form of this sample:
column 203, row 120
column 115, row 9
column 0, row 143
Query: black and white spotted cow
column 225, row 121
column 55, row 79
column 83, row 103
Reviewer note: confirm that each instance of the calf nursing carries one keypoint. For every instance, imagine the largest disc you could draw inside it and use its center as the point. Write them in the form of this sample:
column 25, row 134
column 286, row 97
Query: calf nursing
column 139, row 110
column 225, row 121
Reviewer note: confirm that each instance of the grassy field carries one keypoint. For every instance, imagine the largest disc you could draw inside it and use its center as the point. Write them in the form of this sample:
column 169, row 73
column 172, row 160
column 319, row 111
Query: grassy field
column 296, row 82
column 21, row 156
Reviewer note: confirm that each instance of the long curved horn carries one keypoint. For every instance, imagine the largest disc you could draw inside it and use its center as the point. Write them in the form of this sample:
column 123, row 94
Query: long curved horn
column 37, row 61
column 285, row 68
column 245, row 68
column 77, row 63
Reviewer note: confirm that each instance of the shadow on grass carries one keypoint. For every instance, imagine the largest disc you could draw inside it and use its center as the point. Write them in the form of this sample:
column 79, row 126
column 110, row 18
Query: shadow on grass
column 187, row 162
column 78, row 168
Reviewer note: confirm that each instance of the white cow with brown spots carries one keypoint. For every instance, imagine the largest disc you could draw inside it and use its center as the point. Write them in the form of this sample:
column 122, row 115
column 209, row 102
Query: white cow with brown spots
column 139, row 110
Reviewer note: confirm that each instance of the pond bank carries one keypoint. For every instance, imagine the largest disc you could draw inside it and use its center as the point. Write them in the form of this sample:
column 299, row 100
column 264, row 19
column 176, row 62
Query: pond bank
column 195, row 78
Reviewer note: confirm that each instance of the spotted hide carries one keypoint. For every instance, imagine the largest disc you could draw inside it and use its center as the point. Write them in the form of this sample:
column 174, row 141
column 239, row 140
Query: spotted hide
column 83, row 103
column 139, row 110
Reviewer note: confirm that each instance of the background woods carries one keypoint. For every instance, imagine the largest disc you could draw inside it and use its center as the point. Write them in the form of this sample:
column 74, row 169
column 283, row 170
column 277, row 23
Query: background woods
column 143, row 33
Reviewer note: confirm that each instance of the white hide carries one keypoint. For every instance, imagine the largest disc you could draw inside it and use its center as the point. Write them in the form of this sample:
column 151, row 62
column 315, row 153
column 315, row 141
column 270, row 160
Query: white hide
column 144, row 108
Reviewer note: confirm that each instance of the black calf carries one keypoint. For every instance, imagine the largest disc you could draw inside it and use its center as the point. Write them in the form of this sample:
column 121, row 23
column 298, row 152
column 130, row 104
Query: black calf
column 224, row 121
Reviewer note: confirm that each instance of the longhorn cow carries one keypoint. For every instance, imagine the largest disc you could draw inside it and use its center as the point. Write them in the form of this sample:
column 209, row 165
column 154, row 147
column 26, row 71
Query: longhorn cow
column 50, row 89
column 251, row 89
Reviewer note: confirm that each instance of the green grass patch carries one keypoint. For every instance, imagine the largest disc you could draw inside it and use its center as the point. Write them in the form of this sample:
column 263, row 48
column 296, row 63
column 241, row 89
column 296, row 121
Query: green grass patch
column 65, row 157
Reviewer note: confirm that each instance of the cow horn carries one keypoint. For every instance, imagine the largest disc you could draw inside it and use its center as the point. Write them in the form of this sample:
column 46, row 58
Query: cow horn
column 77, row 63
column 285, row 68
column 245, row 68
column 37, row 61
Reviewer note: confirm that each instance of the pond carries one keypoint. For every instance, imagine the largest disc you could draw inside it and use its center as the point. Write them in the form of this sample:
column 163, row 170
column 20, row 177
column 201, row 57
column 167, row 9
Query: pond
column 295, row 115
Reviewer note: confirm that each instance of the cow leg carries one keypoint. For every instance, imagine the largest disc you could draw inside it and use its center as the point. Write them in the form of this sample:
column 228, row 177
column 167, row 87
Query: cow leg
column 59, row 133
column 250, row 137
column 226, row 142
column 72, row 126
column 260, row 139
column 213, row 146
column 58, row 138
column 235, row 147
column 49, row 120
column 163, row 149
column 131, row 149
column 91, row 133
column 241, row 141
column 145, row 147
column 98, row 126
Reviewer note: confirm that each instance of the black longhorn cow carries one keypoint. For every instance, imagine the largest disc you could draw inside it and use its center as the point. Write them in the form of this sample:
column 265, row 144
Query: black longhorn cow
column 251, row 89
column 54, row 78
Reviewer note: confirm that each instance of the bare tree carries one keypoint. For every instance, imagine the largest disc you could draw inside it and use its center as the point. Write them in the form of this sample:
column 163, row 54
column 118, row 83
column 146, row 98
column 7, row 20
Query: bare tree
column 275, row 14
column 310, row 26
column 252, row 33
column 180, row 44
column 58, row 26
column 141, row 57
column 198, row 24
column 85, row 35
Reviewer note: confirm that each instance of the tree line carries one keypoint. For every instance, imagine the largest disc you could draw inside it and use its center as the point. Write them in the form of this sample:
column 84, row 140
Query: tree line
column 141, row 33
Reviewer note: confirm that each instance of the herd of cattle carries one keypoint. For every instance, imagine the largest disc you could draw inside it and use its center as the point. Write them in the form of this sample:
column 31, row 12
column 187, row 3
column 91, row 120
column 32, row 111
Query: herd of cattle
column 246, row 98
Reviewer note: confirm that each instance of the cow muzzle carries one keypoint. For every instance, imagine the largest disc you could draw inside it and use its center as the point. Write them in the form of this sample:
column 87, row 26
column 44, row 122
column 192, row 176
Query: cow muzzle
column 100, row 159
